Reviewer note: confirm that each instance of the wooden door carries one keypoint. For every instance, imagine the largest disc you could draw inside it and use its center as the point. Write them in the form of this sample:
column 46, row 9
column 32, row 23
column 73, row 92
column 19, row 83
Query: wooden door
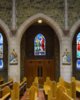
column 30, row 71
column 40, row 68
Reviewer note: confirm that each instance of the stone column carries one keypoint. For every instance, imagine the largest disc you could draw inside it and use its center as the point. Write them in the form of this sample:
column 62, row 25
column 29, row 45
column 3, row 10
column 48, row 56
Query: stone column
column 14, row 68
column 65, row 68
column 13, row 15
column 66, row 14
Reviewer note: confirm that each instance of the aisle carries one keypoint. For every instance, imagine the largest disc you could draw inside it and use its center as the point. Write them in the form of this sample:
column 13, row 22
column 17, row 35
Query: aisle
column 41, row 96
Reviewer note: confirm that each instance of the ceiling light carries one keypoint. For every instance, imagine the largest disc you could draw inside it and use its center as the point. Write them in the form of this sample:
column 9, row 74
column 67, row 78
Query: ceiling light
column 39, row 21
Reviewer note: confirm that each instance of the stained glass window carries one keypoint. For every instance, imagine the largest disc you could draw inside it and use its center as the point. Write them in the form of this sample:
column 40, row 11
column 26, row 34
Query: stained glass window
column 1, row 51
column 78, row 50
column 39, row 45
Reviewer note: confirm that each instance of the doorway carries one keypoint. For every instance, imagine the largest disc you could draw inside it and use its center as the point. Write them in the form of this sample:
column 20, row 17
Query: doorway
column 40, row 65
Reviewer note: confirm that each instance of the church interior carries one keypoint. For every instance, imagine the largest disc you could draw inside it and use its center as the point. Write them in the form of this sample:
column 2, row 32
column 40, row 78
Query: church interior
column 39, row 49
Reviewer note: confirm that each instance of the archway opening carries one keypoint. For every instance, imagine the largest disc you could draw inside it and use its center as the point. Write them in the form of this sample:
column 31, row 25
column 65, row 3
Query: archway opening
column 3, row 55
column 76, row 54
column 42, row 64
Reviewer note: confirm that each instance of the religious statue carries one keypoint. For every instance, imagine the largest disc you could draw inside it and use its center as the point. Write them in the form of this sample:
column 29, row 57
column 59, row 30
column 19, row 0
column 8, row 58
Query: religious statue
column 13, row 57
column 66, row 58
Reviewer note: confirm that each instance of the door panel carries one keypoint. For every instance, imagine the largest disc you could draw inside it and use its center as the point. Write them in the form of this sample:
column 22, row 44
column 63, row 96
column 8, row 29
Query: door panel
column 40, row 68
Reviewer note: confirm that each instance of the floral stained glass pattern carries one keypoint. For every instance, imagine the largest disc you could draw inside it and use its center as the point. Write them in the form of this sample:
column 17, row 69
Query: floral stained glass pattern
column 39, row 45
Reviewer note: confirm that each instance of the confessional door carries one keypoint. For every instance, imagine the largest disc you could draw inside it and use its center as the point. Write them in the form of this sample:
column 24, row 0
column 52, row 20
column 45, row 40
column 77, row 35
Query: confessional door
column 40, row 68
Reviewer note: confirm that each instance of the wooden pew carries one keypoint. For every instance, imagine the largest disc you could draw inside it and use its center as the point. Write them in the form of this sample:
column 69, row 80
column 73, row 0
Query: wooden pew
column 61, row 94
column 18, row 89
column 15, row 92
column 65, row 96
column 59, row 91
column 9, row 84
column 33, row 91
column 50, row 89
column 71, row 88
column 5, row 93
column 23, row 86
column 47, row 85
column 36, row 82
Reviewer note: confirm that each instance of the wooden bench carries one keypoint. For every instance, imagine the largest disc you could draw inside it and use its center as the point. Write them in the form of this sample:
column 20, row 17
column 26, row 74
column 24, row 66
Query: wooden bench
column 71, row 88
column 23, row 86
column 33, row 91
column 59, row 91
column 62, row 95
column 18, row 89
column 9, row 84
column 6, row 92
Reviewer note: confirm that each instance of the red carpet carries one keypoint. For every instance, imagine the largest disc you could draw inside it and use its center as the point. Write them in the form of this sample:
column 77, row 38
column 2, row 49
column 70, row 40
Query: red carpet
column 40, row 97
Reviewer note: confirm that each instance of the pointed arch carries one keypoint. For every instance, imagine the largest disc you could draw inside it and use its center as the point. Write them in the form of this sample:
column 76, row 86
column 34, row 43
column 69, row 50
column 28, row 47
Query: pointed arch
column 75, row 37
column 33, row 19
column 6, row 30
column 4, row 45
column 74, row 29
column 47, row 20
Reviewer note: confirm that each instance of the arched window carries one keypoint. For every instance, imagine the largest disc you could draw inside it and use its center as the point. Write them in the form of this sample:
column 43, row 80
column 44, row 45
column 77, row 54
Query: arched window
column 78, row 51
column 39, row 45
column 1, row 51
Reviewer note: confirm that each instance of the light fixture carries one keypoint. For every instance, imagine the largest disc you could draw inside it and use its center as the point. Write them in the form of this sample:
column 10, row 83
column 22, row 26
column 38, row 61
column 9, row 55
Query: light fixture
column 39, row 21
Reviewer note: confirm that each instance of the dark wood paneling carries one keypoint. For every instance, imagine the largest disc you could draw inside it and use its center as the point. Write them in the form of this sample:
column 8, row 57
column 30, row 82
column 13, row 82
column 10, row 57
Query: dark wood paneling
column 31, row 70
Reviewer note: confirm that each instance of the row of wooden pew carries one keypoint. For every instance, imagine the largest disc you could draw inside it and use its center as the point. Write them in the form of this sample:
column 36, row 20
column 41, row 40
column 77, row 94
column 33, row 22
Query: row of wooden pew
column 61, row 90
column 12, row 90
column 53, row 90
